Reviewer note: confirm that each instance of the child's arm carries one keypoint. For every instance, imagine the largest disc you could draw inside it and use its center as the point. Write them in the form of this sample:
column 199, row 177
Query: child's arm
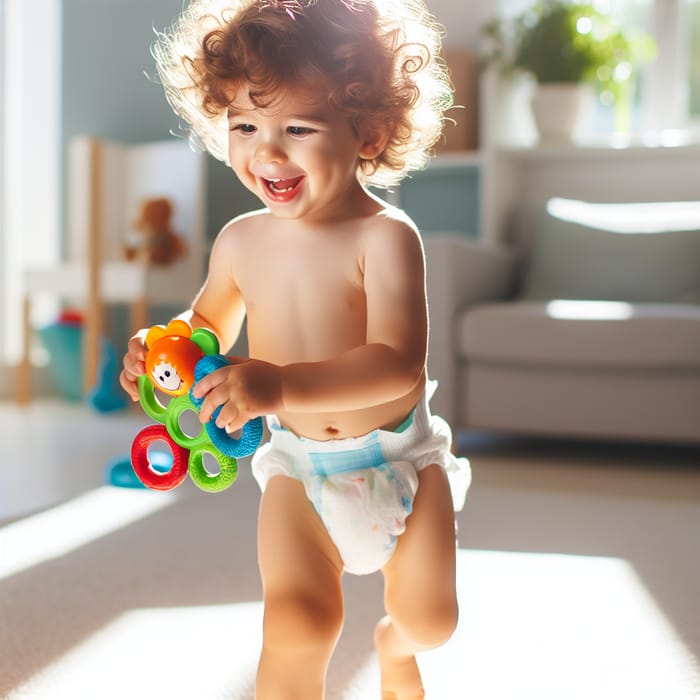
column 385, row 368
column 219, row 305
column 225, row 320
column 392, row 361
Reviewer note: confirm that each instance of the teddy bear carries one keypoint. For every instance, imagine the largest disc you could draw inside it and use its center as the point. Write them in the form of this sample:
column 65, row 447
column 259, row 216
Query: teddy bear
column 159, row 245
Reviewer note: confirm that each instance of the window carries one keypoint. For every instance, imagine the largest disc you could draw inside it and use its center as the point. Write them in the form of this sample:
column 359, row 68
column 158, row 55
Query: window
column 665, row 94
column 667, row 90
column 30, row 127
column 637, row 17
column 693, row 55
column 3, row 97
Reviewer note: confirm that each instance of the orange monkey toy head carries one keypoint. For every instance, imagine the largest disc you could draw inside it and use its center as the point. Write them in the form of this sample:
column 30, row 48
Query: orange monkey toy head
column 173, row 352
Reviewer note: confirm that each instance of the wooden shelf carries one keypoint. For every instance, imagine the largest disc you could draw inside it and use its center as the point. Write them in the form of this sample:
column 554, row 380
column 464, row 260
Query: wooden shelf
column 598, row 151
column 457, row 159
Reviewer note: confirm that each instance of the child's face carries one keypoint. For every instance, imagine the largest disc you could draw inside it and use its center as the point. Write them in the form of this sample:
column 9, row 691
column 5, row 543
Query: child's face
column 299, row 156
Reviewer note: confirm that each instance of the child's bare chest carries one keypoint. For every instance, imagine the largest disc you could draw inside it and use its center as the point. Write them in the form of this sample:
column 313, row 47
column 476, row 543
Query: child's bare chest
column 304, row 302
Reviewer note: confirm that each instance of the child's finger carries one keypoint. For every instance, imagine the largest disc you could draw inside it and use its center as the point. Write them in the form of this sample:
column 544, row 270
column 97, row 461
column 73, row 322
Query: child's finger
column 213, row 399
column 128, row 383
column 235, row 426
column 137, row 347
column 229, row 414
column 134, row 367
column 137, row 368
column 209, row 382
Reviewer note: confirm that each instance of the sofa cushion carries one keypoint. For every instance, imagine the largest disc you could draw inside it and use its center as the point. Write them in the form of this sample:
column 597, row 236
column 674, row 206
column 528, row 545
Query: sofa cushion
column 625, row 252
column 582, row 334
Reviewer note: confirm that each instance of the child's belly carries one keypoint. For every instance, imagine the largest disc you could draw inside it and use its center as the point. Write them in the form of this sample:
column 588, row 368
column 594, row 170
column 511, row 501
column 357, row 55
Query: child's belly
column 288, row 332
column 345, row 424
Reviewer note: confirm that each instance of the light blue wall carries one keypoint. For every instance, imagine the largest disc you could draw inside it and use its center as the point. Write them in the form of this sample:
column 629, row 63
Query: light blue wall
column 105, row 53
column 444, row 199
column 105, row 92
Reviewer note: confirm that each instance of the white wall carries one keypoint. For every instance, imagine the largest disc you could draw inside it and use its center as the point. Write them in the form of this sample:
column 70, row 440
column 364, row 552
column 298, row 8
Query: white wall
column 31, row 136
column 462, row 18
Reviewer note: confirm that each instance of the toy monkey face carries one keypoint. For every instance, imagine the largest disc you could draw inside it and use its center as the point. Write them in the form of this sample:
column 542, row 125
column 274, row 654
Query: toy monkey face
column 173, row 352
column 172, row 357
column 170, row 364
column 166, row 376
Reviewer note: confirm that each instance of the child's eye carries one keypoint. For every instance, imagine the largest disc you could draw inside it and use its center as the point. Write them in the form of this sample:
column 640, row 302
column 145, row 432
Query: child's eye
column 300, row 130
column 243, row 128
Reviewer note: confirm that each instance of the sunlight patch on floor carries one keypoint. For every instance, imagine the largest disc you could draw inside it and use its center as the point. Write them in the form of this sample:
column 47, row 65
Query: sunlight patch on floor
column 67, row 527
column 551, row 626
column 364, row 684
column 532, row 625
column 193, row 652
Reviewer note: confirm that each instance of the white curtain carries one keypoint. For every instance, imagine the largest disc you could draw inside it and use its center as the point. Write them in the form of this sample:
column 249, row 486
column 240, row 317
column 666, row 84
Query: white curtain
column 30, row 37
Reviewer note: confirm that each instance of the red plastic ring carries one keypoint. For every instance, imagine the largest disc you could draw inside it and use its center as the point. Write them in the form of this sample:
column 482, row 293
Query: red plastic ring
column 160, row 481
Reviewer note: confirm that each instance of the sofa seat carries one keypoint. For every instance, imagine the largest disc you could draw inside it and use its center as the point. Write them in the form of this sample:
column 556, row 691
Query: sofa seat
column 512, row 355
column 594, row 335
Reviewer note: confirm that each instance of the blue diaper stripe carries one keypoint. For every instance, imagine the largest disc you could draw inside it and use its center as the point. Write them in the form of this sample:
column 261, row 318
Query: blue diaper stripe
column 329, row 463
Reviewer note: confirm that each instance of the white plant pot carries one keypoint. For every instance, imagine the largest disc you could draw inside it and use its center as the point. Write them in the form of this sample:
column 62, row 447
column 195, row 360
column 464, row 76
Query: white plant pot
column 556, row 108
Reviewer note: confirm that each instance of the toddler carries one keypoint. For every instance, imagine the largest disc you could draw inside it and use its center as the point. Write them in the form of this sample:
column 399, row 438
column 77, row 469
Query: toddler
column 309, row 102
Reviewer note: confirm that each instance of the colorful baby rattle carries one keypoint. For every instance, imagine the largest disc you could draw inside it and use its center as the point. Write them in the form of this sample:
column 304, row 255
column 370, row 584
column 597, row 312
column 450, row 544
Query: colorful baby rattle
column 177, row 358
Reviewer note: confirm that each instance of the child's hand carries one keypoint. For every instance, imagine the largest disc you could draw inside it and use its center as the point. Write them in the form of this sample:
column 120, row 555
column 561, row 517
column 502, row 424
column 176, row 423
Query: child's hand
column 134, row 365
column 244, row 391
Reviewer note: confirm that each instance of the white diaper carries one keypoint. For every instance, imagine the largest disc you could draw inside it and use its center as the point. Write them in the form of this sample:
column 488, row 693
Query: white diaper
column 363, row 488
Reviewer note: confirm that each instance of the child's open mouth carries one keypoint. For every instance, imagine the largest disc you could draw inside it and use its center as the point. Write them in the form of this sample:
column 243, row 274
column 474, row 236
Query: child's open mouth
column 282, row 190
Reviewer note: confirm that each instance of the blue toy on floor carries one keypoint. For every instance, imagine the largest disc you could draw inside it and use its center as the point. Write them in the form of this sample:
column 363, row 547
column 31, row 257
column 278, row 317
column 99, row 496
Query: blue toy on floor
column 107, row 396
column 119, row 471
column 63, row 340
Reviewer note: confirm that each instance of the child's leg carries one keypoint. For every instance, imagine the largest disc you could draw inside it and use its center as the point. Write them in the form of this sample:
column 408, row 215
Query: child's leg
column 301, row 573
column 420, row 596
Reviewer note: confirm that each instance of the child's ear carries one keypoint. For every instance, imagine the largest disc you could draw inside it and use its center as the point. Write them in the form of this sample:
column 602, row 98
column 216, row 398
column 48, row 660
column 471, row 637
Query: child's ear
column 373, row 143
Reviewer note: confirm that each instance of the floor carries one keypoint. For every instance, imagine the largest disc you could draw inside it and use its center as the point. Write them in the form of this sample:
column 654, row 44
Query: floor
column 54, row 450
column 578, row 569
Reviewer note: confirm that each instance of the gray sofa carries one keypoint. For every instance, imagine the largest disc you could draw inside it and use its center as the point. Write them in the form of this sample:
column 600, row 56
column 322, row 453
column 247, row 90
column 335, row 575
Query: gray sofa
column 586, row 325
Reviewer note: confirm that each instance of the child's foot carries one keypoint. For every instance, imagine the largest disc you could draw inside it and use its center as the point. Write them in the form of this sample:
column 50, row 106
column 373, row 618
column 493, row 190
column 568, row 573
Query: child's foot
column 400, row 677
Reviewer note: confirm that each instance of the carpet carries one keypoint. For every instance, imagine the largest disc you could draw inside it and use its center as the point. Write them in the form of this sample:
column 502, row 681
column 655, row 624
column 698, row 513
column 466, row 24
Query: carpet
column 134, row 594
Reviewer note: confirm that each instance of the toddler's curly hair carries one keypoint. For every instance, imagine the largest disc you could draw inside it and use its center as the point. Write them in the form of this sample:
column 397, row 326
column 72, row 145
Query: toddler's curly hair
column 377, row 60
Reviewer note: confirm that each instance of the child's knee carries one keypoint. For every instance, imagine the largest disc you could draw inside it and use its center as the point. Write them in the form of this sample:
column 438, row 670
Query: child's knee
column 428, row 625
column 302, row 620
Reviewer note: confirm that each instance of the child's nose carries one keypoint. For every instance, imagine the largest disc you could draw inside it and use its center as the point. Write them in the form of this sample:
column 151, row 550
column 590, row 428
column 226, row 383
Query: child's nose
column 269, row 151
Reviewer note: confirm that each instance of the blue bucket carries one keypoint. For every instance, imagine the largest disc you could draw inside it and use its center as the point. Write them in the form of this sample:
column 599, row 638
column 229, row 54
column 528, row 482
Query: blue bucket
column 64, row 344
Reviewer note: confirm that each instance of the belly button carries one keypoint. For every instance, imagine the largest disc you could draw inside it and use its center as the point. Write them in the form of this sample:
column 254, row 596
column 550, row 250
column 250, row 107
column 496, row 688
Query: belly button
column 331, row 430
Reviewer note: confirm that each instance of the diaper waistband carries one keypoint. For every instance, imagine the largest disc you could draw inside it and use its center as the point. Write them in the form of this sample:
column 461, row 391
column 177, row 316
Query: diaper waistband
column 337, row 462
column 372, row 449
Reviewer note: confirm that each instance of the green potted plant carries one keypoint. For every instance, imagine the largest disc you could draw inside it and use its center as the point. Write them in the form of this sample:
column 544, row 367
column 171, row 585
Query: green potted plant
column 564, row 45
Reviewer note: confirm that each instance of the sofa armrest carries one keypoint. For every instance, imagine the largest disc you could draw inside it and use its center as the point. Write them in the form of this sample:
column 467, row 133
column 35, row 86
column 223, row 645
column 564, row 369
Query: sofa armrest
column 459, row 273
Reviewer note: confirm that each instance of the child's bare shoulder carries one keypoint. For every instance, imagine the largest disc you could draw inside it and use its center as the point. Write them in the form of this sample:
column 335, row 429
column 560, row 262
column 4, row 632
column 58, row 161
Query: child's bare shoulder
column 245, row 224
column 392, row 230
column 239, row 230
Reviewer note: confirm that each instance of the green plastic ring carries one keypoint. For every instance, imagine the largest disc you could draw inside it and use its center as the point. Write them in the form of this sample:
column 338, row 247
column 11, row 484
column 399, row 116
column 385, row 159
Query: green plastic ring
column 172, row 422
column 149, row 401
column 228, row 470
column 205, row 340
